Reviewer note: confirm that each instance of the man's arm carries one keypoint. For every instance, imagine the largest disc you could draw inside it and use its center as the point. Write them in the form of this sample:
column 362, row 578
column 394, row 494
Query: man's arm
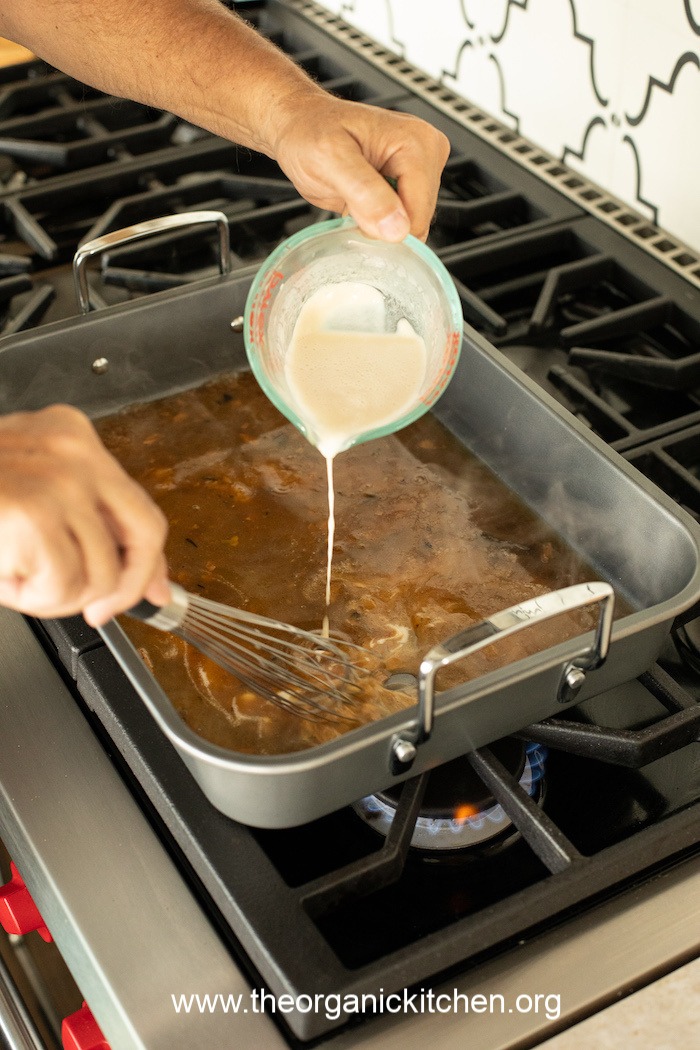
column 76, row 533
column 193, row 57
column 200, row 60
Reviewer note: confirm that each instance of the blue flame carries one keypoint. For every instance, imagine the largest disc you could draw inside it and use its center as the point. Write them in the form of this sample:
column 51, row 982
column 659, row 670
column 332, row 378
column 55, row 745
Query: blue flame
column 535, row 756
column 495, row 816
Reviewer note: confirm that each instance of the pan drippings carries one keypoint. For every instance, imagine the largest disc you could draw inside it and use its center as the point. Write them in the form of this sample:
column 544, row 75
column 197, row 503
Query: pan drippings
column 428, row 541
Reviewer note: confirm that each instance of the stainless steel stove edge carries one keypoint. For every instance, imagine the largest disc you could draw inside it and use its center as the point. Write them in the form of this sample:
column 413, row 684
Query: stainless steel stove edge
column 133, row 935
column 126, row 924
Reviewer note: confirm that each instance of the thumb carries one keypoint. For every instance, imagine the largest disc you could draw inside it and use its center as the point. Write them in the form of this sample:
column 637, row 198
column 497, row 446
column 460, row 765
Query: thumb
column 158, row 590
column 370, row 200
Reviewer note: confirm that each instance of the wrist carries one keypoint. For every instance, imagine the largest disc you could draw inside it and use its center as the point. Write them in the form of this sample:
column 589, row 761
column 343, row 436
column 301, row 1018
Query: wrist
column 283, row 110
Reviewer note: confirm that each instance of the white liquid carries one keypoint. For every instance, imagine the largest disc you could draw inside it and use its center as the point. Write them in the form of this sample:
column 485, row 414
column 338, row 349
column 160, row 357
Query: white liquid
column 347, row 376
column 325, row 629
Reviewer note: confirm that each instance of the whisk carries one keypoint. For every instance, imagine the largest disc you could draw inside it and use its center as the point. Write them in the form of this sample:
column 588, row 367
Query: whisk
column 310, row 675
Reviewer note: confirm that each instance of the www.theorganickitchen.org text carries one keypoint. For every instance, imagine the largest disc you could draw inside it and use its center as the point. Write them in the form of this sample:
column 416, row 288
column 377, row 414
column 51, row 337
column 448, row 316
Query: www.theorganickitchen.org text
column 334, row 1006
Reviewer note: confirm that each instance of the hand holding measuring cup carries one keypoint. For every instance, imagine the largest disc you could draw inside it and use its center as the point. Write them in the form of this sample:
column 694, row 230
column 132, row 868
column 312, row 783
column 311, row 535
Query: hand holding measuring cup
column 352, row 338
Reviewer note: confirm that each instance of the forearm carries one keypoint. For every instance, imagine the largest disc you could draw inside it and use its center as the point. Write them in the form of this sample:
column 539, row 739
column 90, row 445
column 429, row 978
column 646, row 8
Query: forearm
column 199, row 60
column 191, row 57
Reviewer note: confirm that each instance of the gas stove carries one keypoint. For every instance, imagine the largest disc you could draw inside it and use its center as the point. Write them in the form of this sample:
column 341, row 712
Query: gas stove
column 496, row 881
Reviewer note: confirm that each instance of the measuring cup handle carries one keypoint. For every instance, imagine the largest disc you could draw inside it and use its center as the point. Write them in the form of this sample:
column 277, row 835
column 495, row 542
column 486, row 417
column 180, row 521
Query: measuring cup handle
column 516, row 618
column 138, row 232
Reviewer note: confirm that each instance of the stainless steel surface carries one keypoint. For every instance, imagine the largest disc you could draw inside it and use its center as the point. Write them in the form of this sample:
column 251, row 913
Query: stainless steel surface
column 125, row 922
column 500, row 625
column 132, row 934
column 138, row 232
column 17, row 1030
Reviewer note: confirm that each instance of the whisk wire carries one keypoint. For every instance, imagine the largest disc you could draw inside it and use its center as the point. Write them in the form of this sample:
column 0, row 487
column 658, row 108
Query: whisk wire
column 309, row 675
column 299, row 684
column 248, row 673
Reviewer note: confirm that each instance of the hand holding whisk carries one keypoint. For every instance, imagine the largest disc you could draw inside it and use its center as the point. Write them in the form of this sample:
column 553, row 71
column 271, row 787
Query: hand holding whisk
column 311, row 676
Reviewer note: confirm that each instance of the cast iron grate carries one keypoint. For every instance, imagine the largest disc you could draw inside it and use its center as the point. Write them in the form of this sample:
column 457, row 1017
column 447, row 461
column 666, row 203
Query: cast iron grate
column 567, row 305
column 22, row 304
column 54, row 219
column 81, row 134
column 475, row 205
column 672, row 461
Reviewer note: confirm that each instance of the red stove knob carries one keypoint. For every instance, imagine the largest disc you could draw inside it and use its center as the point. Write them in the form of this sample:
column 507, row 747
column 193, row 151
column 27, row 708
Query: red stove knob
column 80, row 1031
column 18, row 912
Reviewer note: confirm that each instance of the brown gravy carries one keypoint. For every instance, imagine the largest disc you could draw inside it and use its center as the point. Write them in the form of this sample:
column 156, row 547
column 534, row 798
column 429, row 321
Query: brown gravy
column 428, row 541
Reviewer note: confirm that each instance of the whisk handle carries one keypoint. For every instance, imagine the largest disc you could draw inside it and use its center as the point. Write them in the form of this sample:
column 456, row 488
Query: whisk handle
column 144, row 610
column 167, row 617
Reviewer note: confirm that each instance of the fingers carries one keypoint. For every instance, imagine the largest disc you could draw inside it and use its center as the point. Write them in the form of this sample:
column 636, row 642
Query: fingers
column 417, row 171
column 76, row 532
column 368, row 197
column 95, row 553
column 158, row 589
column 138, row 529
column 342, row 155
column 40, row 568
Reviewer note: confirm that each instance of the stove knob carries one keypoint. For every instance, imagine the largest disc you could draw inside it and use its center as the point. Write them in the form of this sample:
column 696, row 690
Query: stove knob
column 18, row 912
column 80, row 1031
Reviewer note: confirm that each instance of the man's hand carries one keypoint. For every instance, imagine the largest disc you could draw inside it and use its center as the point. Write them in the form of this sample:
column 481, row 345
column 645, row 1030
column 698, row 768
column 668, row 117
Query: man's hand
column 76, row 532
column 340, row 154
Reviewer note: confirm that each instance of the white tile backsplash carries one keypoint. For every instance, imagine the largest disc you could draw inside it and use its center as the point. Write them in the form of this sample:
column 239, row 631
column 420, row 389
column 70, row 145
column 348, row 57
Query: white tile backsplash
column 611, row 87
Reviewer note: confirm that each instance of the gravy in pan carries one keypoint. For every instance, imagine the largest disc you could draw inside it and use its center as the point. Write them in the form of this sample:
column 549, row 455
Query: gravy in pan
column 428, row 541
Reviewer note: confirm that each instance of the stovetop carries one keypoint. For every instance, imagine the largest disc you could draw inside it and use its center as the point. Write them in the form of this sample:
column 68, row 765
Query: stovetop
column 606, row 327
column 615, row 806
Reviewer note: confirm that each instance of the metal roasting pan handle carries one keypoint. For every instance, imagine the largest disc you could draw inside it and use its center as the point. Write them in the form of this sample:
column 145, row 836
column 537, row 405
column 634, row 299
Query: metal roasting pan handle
column 139, row 231
column 517, row 617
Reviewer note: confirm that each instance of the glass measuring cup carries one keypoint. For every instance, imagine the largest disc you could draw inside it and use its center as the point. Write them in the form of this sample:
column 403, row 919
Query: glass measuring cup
column 414, row 286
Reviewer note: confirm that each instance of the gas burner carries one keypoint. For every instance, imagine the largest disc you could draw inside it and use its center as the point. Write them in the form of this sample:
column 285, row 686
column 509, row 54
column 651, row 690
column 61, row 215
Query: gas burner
column 458, row 811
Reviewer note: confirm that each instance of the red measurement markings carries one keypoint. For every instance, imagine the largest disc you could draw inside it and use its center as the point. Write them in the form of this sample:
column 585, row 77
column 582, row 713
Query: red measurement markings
column 256, row 321
column 449, row 359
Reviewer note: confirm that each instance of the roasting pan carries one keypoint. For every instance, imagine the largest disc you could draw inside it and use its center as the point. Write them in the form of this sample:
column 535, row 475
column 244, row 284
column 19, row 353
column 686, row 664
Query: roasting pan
column 635, row 537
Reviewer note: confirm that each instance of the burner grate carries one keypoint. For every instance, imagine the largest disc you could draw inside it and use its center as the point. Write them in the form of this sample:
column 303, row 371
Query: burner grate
column 673, row 463
column 475, row 206
column 621, row 413
column 82, row 134
column 54, row 219
column 18, row 310
column 28, row 88
column 181, row 257
column 568, row 306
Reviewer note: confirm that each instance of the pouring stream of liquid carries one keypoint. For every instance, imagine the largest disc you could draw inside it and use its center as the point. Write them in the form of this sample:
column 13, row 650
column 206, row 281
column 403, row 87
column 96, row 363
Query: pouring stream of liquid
column 325, row 630
column 347, row 382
